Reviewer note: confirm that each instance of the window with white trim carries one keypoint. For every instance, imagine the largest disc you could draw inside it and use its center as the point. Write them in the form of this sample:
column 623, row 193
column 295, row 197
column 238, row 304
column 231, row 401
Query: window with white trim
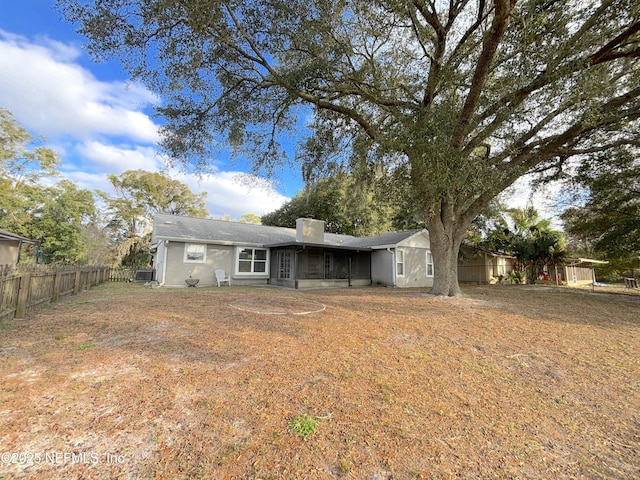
column 195, row 253
column 251, row 261
column 399, row 263
column 429, row 264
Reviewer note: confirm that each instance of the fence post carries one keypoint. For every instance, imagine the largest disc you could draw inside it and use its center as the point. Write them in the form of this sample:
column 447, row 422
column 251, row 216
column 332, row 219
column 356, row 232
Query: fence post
column 23, row 295
column 56, row 286
column 76, row 283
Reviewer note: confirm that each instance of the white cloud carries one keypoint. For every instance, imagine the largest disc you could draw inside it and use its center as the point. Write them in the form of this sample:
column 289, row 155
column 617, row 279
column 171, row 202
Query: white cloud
column 52, row 96
column 89, row 181
column 101, row 128
column 228, row 194
column 94, row 155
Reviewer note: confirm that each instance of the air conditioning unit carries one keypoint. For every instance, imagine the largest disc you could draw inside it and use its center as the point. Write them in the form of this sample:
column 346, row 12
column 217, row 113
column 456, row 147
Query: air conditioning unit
column 146, row 275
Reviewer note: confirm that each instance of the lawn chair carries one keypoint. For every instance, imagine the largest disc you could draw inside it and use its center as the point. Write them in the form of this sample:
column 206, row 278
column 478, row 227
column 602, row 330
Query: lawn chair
column 222, row 278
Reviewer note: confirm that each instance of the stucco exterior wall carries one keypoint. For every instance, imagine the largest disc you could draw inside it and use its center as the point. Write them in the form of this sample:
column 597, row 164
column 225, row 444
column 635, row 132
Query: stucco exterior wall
column 177, row 270
column 217, row 257
column 415, row 250
column 9, row 252
column 421, row 240
column 415, row 268
column 479, row 267
column 158, row 261
column 474, row 269
column 382, row 267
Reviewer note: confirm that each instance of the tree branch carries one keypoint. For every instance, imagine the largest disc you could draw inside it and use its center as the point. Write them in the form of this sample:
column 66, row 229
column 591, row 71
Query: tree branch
column 440, row 42
column 472, row 28
column 503, row 9
column 605, row 52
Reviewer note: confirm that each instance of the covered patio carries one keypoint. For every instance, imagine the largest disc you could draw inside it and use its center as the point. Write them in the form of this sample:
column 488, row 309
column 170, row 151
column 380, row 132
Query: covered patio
column 312, row 266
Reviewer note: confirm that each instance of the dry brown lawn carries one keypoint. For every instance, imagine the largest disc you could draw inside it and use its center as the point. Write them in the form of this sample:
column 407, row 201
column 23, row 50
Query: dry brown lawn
column 129, row 382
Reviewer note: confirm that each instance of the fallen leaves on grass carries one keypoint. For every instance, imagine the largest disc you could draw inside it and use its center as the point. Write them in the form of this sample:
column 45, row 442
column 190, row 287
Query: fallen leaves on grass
column 507, row 382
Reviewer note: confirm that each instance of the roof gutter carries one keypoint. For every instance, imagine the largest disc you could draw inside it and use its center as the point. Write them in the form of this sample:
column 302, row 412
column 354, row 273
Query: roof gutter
column 582, row 261
column 208, row 241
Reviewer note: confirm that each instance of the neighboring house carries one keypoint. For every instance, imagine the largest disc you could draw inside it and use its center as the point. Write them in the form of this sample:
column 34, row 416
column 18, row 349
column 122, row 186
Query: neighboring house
column 10, row 247
column 303, row 257
column 478, row 265
column 577, row 272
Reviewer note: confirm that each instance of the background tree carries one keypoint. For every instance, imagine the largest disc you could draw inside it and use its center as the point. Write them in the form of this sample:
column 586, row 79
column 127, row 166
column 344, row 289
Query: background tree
column 55, row 215
column 97, row 240
column 139, row 195
column 244, row 218
column 607, row 224
column 464, row 96
column 251, row 218
column 24, row 162
column 345, row 206
column 58, row 221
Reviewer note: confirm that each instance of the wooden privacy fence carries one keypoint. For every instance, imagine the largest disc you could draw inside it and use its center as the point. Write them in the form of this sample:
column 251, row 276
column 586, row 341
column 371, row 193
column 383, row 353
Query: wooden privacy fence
column 23, row 290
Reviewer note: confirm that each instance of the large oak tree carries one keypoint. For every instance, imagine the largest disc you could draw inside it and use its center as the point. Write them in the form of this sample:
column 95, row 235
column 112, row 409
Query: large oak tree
column 465, row 96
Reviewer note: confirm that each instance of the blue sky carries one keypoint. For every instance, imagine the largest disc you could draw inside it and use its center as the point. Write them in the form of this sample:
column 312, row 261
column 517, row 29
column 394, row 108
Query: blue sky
column 101, row 123
column 98, row 121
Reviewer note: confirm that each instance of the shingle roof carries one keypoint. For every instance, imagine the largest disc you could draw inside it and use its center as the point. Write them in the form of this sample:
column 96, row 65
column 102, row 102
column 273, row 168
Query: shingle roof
column 391, row 238
column 172, row 227
column 5, row 235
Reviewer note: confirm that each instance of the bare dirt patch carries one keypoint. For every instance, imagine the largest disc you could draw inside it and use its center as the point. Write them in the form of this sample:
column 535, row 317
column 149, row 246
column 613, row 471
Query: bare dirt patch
column 130, row 382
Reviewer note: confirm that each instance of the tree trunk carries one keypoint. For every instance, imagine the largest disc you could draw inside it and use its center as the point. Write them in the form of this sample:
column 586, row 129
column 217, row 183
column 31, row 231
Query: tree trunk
column 445, row 237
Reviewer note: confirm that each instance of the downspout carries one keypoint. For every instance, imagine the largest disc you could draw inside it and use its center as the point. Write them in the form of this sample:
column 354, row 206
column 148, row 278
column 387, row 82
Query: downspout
column 19, row 250
column 164, row 262
column 349, row 274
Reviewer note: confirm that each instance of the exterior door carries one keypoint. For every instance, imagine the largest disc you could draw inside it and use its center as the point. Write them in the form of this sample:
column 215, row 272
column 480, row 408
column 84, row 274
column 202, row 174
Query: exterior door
column 284, row 265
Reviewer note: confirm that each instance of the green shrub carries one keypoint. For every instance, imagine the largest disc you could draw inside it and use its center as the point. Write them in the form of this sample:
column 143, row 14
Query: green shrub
column 303, row 425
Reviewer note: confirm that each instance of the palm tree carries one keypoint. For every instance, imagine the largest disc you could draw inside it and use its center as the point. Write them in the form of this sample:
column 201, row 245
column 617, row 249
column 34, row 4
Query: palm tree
column 530, row 238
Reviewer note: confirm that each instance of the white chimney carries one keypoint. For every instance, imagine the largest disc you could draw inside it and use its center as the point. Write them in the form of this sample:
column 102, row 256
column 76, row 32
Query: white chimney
column 309, row 230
